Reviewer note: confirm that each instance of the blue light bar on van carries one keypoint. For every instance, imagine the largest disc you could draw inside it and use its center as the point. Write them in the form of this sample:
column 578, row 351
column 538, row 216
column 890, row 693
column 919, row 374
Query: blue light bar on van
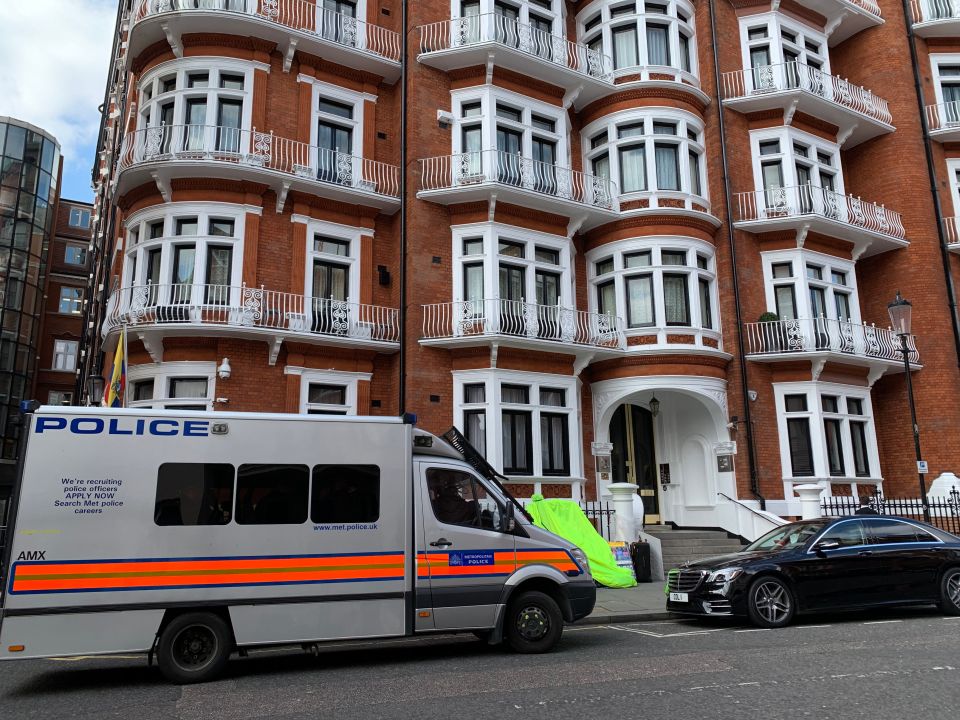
column 410, row 418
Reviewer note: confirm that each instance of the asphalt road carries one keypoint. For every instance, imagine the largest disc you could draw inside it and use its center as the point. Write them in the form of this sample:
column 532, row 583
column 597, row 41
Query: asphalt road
column 897, row 664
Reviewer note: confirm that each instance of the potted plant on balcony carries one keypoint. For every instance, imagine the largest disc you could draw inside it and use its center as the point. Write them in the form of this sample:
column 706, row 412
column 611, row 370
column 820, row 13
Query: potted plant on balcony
column 771, row 333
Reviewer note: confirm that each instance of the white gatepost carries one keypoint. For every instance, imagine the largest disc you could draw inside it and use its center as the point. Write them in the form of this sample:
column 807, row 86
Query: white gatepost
column 626, row 527
column 809, row 501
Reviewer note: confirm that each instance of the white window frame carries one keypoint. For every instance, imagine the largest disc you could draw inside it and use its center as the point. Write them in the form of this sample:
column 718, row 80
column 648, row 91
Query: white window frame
column 953, row 170
column 775, row 23
column 83, row 249
column 339, row 94
column 605, row 9
column 347, row 380
column 818, row 441
column 340, row 232
column 492, row 234
column 488, row 96
column 78, row 303
column 57, row 397
column 686, row 123
column 936, row 60
column 493, row 379
column 83, row 218
column 67, row 352
column 787, row 136
column 556, row 12
column 163, row 373
column 138, row 244
column 800, row 259
column 656, row 245
column 151, row 81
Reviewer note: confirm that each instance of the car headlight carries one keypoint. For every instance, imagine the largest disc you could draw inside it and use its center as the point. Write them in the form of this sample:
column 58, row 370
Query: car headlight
column 724, row 575
column 581, row 559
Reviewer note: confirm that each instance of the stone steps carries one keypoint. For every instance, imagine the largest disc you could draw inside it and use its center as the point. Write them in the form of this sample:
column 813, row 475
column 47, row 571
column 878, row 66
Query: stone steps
column 680, row 546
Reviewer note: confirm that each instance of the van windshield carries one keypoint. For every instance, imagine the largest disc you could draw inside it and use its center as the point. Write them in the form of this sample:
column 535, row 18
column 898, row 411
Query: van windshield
column 786, row 537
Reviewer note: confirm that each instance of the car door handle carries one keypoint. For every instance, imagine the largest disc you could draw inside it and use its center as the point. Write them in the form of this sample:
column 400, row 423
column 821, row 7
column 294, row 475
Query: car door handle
column 864, row 553
column 442, row 542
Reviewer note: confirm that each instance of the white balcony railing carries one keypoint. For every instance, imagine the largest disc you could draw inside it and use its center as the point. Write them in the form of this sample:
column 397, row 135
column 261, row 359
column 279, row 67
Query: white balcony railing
column 467, row 169
column 204, row 143
column 808, row 335
column 931, row 10
column 799, row 76
column 804, row 200
column 945, row 116
column 304, row 16
column 495, row 28
column 516, row 318
column 247, row 308
column 951, row 230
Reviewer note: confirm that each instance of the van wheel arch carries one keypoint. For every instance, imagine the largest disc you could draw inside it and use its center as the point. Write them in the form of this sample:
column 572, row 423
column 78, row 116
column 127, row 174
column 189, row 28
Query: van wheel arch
column 547, row 587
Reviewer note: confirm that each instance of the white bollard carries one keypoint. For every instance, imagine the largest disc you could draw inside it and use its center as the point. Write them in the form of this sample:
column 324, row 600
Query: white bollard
column 623, row 494
column 809, row 501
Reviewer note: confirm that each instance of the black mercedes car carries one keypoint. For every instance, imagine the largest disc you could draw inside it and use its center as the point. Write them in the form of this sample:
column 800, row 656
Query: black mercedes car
column 821, row 565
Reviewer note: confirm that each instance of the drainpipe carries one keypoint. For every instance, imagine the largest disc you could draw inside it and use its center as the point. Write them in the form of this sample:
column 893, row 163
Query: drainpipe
column 741, row 356
column 932, row 173
column 402, row 363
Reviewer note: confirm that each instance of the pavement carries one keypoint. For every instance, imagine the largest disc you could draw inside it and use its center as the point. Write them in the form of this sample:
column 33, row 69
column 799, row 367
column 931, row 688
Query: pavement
column 646, row 601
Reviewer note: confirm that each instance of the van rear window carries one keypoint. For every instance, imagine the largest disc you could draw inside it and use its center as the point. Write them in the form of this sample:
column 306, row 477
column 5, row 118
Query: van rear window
column 345, row 494
column 272, row 494
column 194, row 494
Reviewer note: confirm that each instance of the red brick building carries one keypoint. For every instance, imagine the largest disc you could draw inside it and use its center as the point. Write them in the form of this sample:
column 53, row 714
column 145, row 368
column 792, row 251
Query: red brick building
column 68, row 271
column 662, row 231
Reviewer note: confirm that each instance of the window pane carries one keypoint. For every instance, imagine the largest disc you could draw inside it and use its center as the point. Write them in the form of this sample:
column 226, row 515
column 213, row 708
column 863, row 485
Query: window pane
column 640, row 259
column 658, row 44
column 625, row 47
column 458, row 499
column 194, row 494
column 847, row 534
column 511, row 249
column 327, row 394
column 831, row 428
column 554, row 446
column 676, row 300
column 553, row 397
column 604, row 266
column 517, row 439
column 547, row 255
column 706, row 311
column 335, row 108
column 331, row 246
column 473, row 246
column 143, row 390
column 672, row 257
column 889, row 532
column 473, row 283
column 786, row 302
column 801, row 450
column 795, row 403
column 854, row 406
column 829, row 403
column 606, row 298
column 272, row 494
column 782, row 270
column 475, row 393
column 188, row 388
column 633, row 171
column 631, row 130
column 221, row 228
column 345, row 494
column 519, row 394
column 475, row 427
column 858, row 439
column 640, row 301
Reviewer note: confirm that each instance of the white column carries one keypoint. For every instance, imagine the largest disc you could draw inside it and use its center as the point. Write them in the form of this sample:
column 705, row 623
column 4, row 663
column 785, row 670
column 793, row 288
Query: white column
column 809, row 500
column 623, row 494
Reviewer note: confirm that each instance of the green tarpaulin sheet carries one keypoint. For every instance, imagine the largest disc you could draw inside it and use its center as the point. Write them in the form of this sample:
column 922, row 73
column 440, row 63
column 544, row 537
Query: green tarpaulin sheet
column 566, row 519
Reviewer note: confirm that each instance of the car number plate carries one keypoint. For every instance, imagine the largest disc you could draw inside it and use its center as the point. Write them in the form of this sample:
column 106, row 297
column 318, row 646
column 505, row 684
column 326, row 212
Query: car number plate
column 679, row 597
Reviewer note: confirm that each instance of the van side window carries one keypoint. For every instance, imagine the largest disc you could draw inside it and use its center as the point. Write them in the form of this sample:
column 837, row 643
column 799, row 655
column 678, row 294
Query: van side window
column 194, row 494
column 458, row 499
column 272, row 494
column 345, row 494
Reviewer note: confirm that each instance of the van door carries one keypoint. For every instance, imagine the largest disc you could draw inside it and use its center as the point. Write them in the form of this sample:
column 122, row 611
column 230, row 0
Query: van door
column 466, row 554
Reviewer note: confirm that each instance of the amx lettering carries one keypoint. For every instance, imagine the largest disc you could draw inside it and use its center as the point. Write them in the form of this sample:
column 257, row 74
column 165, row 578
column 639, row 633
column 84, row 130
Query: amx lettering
column 124, row 426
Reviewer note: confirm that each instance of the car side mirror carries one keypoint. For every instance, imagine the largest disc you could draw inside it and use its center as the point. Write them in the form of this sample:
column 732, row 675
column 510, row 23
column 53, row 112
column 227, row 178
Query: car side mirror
column 825, row 545
column 507, row 521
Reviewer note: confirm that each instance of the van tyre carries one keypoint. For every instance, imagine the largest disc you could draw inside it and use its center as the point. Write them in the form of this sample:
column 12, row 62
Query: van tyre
column 194, row 648
column 534, row 623
column 950, row 591
column 770, row 603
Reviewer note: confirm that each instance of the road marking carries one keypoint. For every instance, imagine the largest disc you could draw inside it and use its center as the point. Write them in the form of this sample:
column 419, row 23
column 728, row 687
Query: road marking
column 753, row 630
column 801, row 627
column 881, row 622
column 662, row 636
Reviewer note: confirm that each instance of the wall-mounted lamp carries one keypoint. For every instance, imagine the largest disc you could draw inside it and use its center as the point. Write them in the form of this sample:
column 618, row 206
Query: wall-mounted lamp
column 95, row 387
column 223, row 372
column 654, row 406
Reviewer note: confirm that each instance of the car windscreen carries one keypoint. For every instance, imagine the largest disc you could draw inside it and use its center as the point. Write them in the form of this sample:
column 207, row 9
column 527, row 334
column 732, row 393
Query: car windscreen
column 786, row 537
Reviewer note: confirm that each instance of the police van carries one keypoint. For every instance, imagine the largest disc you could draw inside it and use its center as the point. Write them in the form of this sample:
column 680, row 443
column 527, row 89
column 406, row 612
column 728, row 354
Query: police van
column 191, row 535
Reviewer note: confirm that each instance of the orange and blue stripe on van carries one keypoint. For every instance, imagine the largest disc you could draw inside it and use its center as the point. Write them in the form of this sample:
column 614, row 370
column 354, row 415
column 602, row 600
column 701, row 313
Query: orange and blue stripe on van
column 451, row 563
column 181, row 573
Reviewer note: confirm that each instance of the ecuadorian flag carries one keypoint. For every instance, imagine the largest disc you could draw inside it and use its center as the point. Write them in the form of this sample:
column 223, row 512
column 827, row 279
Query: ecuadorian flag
column 118, row 378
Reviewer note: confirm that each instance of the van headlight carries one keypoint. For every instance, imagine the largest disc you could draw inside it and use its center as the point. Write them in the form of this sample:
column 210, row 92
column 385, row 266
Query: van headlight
column 724, row 575
column 581, row 559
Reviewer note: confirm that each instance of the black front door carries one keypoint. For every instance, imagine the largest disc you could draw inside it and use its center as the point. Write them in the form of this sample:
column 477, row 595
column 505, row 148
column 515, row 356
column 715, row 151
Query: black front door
column 634, row 458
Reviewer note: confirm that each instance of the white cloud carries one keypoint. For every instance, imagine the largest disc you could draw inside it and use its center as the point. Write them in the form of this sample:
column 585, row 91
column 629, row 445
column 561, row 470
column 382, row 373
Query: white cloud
column 54, row 57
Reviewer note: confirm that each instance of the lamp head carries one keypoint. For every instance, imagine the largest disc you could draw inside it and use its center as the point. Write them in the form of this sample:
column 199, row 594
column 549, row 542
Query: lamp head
column 901, row 315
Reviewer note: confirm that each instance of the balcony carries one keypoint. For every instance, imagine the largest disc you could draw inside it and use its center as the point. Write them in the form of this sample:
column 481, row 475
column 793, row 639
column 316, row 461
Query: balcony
column 494, row 174
column 827, row 339
column 163, row 153
column 951, row 230
column 468, row 41
column 293, row 24
column 871, row 228
column 516, row 323
column 151, row 312
column 858, row 114
column 845, row 18
column 935, row 18
column 943, row 121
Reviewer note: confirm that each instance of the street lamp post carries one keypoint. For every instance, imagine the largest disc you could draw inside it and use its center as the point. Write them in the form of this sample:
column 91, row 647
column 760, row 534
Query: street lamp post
column 901, row 316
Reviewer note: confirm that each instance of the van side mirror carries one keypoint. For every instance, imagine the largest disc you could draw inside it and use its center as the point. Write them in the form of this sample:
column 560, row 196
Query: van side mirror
column 507, row 521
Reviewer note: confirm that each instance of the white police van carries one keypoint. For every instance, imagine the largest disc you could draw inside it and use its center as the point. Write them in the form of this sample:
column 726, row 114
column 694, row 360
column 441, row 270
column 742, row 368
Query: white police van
column 192, row 535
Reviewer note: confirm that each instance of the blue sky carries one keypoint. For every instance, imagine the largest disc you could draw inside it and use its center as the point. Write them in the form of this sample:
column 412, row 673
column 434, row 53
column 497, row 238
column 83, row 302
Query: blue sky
column 54, row 57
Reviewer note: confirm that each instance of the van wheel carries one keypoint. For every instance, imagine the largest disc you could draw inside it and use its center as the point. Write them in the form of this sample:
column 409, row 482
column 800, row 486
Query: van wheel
column 770, row 603
column 194, row 648
column 950, row 592
column 534, row 623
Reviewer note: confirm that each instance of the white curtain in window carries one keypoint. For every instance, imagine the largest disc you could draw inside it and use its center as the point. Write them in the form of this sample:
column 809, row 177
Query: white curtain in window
column 668, row 170
column 633, row 169
column 625, row 47
column 640, row 300
column 675, row 299
column 658, row 45
column 476, row 430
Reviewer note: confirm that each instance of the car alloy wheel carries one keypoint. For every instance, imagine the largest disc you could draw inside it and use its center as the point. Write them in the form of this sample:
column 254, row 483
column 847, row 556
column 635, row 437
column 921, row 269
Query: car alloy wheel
column 950, row 592
column 771, row 603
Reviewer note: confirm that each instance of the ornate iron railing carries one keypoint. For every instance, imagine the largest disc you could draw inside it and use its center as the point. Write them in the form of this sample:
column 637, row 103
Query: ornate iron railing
column 799, row 76
column 800, row 200
column 492, row 27
column 945, row 116
column 466, row 169
column 303, row 16
column 255, row 149
column 930, row 10
column 825, row 335
column 249, row 308
column 516, row 318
